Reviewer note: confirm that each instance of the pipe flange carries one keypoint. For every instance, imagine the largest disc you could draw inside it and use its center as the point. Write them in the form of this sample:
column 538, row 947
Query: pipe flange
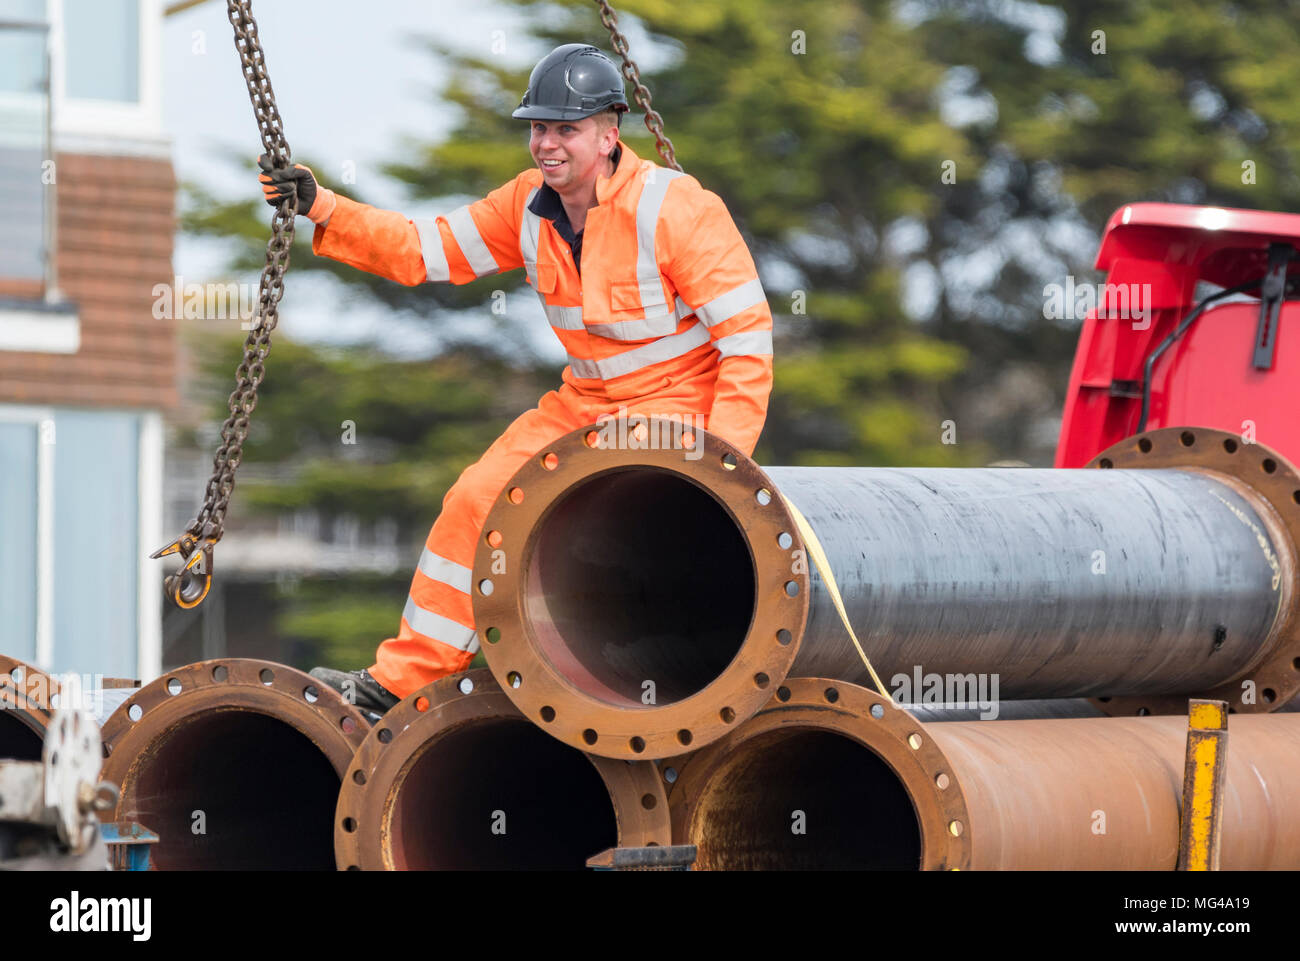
column 860, row 715
column 631, row 730
column 27, row 691
column 317, row 711
column 1272, row 484
column 363, row 819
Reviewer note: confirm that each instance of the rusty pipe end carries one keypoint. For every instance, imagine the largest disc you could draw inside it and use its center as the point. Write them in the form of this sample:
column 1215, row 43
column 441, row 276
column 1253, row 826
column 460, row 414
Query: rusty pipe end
column 577, row 555
column 826, row 775
column 235, row 764
column 1271, row 484
column 27, row 696
column 454, row 777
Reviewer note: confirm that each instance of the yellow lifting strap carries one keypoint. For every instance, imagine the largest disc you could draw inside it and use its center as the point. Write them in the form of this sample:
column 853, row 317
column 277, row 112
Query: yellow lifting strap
column 823, row 566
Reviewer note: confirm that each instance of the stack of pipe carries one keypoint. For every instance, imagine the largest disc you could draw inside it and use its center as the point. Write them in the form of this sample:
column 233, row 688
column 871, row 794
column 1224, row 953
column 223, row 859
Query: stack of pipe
column 657, row 600
column 241, row 764
column 668, row 666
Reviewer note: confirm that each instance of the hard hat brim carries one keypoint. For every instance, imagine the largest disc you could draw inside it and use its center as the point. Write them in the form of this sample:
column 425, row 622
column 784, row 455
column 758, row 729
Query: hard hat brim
column 542, row 112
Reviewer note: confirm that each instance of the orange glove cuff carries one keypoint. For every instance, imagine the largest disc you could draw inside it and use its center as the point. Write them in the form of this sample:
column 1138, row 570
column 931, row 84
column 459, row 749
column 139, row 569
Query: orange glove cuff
column 323, row 206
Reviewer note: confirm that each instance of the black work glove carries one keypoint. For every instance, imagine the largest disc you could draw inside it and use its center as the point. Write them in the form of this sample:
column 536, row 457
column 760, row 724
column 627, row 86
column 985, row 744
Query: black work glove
column 279, row 183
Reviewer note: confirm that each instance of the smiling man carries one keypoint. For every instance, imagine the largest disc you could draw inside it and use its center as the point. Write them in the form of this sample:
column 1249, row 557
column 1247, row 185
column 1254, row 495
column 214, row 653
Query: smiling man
column 644, row 278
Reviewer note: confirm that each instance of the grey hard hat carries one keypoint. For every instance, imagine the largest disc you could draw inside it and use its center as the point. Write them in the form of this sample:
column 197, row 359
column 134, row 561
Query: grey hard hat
column 572, row 82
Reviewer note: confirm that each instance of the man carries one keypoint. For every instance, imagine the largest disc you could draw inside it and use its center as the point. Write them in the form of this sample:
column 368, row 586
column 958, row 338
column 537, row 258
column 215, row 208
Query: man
column 659, row 307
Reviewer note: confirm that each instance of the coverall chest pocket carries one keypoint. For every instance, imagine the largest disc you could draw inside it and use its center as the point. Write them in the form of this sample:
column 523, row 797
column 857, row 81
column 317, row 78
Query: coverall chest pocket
column 628, row 320
column 547, row 278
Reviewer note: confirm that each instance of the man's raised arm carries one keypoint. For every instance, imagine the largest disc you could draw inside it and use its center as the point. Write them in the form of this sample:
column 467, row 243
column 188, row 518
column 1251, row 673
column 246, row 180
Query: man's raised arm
column 470, row 242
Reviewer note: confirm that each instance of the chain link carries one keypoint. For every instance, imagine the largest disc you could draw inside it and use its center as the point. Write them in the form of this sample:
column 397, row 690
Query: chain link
column 640, row 92
column 208, row 525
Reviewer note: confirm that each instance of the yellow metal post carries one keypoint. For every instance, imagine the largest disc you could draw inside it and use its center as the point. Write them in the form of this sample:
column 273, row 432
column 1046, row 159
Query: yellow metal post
column 1203, row 773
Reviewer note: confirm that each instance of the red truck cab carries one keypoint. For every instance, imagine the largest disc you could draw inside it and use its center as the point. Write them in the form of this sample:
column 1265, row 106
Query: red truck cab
column 1236, row 367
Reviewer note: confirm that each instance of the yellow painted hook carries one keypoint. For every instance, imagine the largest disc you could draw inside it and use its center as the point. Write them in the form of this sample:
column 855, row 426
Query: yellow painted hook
column 190, row 585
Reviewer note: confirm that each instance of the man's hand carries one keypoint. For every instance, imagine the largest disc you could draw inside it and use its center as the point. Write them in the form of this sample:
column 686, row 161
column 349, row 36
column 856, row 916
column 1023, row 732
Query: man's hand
column 279, row 183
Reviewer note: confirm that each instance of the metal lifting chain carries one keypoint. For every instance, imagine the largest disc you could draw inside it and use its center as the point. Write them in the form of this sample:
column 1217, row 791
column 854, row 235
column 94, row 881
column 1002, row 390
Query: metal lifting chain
column 189, row 586
column 640, row 93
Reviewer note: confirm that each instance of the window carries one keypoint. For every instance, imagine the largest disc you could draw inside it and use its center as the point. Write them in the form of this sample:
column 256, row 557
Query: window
column 105, row 78
column 24, row 146
column 102, row 50
column 20, row 555
column 80, row 492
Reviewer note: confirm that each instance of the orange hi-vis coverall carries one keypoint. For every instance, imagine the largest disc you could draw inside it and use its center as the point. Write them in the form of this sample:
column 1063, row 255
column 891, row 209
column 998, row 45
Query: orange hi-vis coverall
column 666, row 318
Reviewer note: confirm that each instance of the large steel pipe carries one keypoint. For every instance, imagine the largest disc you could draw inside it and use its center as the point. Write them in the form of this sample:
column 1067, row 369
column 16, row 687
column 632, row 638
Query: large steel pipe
column 646, row 599
column 1035, row 710
column 235, row 764
column 455, row 778
column 830, row 775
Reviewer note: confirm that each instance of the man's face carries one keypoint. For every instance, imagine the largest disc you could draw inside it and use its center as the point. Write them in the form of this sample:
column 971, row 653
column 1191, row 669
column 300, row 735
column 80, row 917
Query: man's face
column 580, row 150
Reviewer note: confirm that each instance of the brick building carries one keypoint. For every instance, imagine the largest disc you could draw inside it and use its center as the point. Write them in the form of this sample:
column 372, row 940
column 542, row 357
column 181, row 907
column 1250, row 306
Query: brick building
column 86, row 371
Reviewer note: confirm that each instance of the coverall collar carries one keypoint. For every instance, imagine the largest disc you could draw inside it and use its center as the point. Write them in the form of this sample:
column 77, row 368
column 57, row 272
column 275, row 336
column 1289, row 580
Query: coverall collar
column 548, row 204
column 627, row 163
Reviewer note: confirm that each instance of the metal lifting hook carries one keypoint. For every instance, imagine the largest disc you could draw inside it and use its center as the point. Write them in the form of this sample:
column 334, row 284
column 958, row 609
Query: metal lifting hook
column 190, row 585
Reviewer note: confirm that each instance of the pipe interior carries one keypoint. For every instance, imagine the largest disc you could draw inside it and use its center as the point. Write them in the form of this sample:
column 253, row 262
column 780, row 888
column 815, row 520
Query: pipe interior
column 499, row 794
column 18, row 741
column 854, row 812
column 266, row 795
column 639, row 576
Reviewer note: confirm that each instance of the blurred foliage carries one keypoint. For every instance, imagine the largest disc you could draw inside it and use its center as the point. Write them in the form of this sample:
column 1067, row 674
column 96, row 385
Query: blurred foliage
column 345, row 616
column 902, row 298
column 361, row 434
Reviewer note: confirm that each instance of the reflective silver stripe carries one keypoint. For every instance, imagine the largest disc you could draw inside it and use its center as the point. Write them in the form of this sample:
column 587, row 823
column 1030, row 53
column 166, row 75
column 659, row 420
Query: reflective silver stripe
column 565, row 318
column 439, row 628
column 749, row 342
column 731, row 303
column 658, row 325
column 435, row 258
column 447, row 572
column 471, row 242
column 656, row 184
column 529, row 230
column 584, row 368
column 638, row 358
